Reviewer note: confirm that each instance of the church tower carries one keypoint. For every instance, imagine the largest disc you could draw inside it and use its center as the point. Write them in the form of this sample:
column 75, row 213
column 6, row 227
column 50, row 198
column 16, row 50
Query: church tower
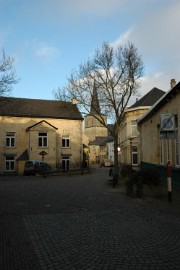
column 92, row 127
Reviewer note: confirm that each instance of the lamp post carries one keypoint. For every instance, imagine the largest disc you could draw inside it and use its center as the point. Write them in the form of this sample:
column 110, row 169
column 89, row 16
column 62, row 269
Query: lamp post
column 119, row 151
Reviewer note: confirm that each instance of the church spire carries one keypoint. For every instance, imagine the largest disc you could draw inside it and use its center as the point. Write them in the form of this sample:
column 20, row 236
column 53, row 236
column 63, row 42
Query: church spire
column 95, row 108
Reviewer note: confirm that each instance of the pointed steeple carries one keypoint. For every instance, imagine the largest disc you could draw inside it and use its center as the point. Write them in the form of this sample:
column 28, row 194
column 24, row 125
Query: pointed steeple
column 95, row 108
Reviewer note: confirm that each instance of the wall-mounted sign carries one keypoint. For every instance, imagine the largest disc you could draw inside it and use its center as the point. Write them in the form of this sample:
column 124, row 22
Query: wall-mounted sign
column 42, row 153
column 167, row 122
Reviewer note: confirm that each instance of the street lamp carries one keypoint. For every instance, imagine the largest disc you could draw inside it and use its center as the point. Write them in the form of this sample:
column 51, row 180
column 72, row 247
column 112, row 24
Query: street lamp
column 119, row 151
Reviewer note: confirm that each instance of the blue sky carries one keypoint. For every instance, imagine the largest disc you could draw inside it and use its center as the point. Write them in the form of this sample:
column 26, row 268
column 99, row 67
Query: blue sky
column 49, row 38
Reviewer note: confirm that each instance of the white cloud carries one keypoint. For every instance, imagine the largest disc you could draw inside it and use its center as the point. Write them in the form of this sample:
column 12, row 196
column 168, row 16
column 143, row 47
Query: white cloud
column 42, row 51
column 159, row 80
column 124, row 38
column 46, row 53
column 96, row 7
column 65, row 10
column 156, row 36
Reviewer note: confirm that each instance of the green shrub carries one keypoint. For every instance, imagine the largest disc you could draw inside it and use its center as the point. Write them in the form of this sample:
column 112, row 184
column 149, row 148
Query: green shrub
column 140, row 178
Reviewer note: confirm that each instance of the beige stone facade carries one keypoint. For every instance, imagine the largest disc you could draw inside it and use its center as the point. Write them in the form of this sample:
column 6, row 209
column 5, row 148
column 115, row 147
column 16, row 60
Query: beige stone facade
column 93, row 128
column 25, row 137
column 107, row 149
column 129, row 142
column 129, row 136
column 159, row 146
column 94, row 154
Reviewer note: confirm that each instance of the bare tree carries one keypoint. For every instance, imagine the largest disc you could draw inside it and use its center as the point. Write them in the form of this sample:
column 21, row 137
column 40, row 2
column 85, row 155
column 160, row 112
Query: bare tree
column 61, row 94
column 7, row 74
column 115, row 75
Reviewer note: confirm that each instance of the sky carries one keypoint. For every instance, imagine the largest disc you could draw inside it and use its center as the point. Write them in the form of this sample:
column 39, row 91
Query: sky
column 50, row 38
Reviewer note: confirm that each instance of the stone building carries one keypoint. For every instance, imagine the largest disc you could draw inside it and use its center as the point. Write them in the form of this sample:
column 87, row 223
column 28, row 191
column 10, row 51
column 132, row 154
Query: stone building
column 107, row 149
column 32, row 129
column 92, row 126
column 128, row 133
column 94, row 130
column 160, row 135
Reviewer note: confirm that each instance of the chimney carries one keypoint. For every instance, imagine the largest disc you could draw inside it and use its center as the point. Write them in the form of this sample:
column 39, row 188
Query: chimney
column 74, row 101
column 173, row 83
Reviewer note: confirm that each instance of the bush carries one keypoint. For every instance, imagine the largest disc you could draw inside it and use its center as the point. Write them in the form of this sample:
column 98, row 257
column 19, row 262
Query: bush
column 150, row 177
column 126, row 170
column 139, row 179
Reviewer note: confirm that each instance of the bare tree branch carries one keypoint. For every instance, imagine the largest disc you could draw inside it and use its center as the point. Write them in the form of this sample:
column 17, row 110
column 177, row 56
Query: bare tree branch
column 116, row 75
column 7, row 74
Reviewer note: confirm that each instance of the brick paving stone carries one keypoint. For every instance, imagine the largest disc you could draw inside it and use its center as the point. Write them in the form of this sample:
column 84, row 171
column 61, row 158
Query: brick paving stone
column 82, row 223
column 15, row 245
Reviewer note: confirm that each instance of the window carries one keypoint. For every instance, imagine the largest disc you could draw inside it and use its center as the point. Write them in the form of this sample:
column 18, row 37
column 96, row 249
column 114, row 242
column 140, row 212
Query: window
column 9, row 163
column 161, row 151
column 176, row 141
column 43, row 139
column 134, row 131
column 10, row 139
column 65, row 163
column 177, row 150
column 65, row 141
column 134, row 156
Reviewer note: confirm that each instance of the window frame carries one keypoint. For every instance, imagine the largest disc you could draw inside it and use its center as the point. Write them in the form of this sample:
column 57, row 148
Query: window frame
column 44, row 140
column 10, row 161
column 65, row 163
column 161, row 151
column 177, row 156
column 177, row 149
column 10, row 139
column 134, row 153
column 65, row 141
column 134, row 130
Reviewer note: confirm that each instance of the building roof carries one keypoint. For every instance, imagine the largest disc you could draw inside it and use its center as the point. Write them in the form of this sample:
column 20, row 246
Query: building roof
column 161, row 102
column 149, row 99
column 97, row 140
column 24, row 155
column 107, row 140
column 38, row 108
column 43, row 121
column 110, row 128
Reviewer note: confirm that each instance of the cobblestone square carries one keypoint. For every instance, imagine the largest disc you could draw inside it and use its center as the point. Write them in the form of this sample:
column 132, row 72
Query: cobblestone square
column 80, row 222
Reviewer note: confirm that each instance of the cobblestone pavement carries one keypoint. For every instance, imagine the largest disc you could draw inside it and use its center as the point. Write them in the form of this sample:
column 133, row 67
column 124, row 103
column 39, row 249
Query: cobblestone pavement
column 81, row 222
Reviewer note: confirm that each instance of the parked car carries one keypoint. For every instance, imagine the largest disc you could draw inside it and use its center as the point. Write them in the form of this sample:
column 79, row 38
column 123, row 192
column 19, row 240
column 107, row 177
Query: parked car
column 33, row 167
column 107, row 163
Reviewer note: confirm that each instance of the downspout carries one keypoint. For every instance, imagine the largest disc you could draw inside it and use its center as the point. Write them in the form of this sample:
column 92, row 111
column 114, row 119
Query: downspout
column 29, row 144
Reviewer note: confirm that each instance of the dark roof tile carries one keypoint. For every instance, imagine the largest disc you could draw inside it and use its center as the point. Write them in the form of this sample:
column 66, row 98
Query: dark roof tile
column 23, row 107
column 97, row 140
column 160, row 103
column 149, row 99
column 24, row 155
